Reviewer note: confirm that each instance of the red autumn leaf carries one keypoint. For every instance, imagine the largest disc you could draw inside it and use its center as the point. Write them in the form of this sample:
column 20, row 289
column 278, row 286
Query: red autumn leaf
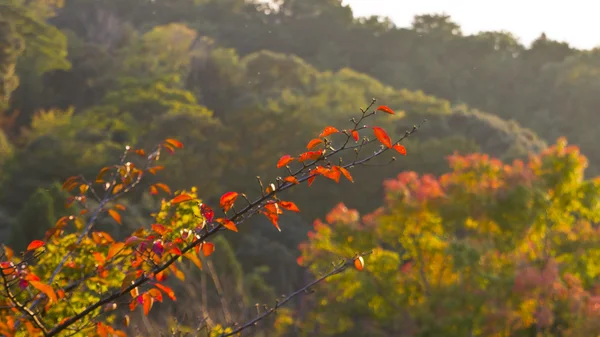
column 115, row 215
column 207, row 213
column 167, row 291
column 153, row 190
column 274, row 218
column 284, row 160
column 382, row 136
column 310, row 155
column 227, row 200
column 328, row 131
column 359, row 263
column 313, row 143
column 385, row 109
column 401, row 149
column 35, row 244
column 133, row 240
column 181, row 198
column 174, row 143
column 291, row 179
column 355, row 135
column 290, row 206
column 311, row 179
column 208, row 248
column 346, row 173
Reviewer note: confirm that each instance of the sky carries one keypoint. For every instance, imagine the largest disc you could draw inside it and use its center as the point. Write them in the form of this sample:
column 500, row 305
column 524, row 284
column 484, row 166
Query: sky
column 573, row 21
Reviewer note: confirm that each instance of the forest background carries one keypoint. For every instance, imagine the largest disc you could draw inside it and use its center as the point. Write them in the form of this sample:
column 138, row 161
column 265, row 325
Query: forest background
column 463, row 244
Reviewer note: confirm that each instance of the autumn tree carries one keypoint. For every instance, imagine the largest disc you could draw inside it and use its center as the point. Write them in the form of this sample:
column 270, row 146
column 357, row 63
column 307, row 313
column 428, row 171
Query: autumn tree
column 488, row 249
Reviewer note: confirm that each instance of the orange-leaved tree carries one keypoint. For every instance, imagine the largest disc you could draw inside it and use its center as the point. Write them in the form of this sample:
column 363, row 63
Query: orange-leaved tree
column 74, row 280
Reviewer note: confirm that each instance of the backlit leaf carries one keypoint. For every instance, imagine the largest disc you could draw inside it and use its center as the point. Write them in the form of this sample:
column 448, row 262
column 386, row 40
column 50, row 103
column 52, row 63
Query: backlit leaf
column 115, row 215
column 328, row 131
column 208, row 248
column 227, row 200
column 114, row 249
column 35, row 244
column 290, row 206
column 163, row 187
column 355, row 135
column 382, row 136
column 147, row 302
column 385, row 109
column 283, row 161
column 401, row 149
column 230, row 225
column 167, row 291
column 174, row 143
column 181, row 198
column 194, row 258
column 46, row 289
column 314, row 143
column 291, row 179
column 346, row 173
column 311, row 155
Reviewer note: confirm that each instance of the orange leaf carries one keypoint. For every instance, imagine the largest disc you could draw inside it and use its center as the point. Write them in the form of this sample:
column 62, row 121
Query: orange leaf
column 35, row 244
column 227, row 200
column 284, row 160
column 401, row 149
column 160, row 229
column 346, row 174
column 328, row 131
column 46, row 289
column 311, row 179
column 208, row 248
column 153, row 190
column 148, row 301
column 382, row 136
column 174, row 143
column 290, row 206
column 355, row 135
column 181, row 198
column 114, row 249
column 100, row 177
column 313, row 143
column 312, row 155
column 229, row 225
column 102, row 330
column 156, row 294
column 291, row 179
column 163, row 187
column 167, row 291
column 386, row 109
column 359, row 263
column 115, row 215
column 154, row 169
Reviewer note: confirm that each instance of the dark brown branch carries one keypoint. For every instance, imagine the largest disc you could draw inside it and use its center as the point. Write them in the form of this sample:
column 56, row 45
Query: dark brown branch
column 342, row 267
